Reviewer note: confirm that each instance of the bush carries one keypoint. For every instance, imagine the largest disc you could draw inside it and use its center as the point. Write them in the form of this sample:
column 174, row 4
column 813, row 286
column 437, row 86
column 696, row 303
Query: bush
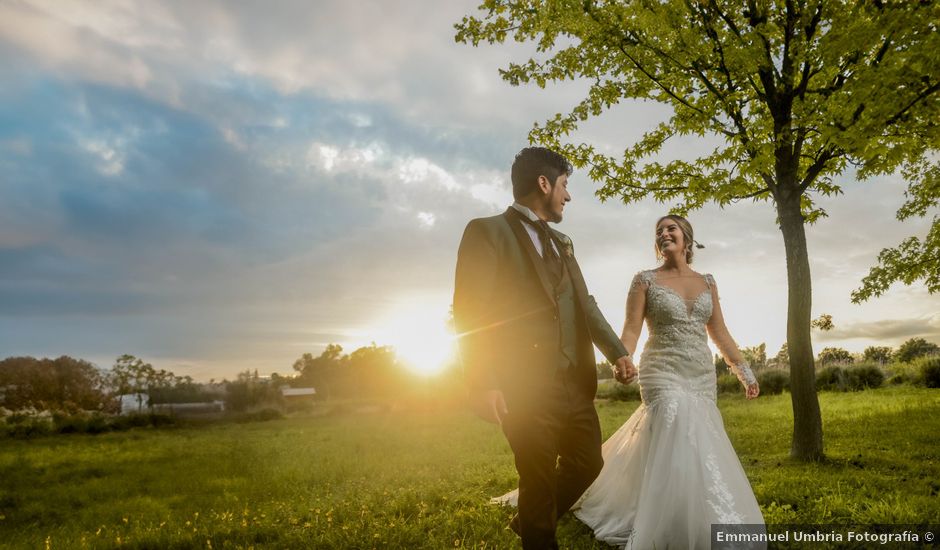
column 878, row 354
column 854, row 378
column 930, row 372
column 830, row 379
column 729, row 383
column 861, row 377
column 98, row 424
column 30, row 427
column 619, row 392
column 773, row 382
column 834, row 356
column 260, row 416
column 903, row 373
column 69, row 423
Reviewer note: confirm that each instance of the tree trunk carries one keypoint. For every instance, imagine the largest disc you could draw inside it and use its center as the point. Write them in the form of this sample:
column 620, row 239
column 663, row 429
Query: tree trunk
column 807, row 422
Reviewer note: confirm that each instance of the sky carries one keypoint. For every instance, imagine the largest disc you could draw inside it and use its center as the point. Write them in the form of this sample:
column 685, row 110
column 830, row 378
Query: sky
column 218, row 186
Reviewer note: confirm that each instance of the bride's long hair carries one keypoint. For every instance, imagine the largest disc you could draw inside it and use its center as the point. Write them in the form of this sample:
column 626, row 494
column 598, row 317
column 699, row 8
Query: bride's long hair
column 688, row 236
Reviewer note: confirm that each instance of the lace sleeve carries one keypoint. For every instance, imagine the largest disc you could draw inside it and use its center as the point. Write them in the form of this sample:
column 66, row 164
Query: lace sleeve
column 726, row 344
column 641, row 281
column 636, row 310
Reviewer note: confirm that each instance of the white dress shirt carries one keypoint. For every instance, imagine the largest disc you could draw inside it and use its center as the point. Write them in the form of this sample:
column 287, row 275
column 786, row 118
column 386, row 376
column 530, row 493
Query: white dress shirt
column 533, row 233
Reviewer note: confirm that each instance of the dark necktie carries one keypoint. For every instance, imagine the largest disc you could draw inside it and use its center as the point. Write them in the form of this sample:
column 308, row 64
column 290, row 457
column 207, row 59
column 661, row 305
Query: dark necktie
column 549, row 256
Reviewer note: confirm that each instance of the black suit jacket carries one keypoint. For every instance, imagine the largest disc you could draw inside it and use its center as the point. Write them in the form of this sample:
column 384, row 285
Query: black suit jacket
column 506, row 314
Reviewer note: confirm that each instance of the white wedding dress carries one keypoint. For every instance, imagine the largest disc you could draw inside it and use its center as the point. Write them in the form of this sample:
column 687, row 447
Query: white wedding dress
column 670, row 471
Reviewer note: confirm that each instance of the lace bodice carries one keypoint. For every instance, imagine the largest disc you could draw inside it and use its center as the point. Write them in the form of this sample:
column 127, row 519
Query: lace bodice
column 676, row 354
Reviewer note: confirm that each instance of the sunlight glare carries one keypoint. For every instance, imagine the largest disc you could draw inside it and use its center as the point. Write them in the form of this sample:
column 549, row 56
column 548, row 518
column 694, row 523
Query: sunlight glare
column 419, row 334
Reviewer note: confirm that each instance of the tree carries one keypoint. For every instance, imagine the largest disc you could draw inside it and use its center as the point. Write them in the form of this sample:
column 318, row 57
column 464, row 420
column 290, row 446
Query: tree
column 320, row 372
column 834, row 356
column 912, row 260
column 914, row 348
column 756, row 356
column 131, row 375
column 782, row 359
column 880, row 354
column 64, row 383
column 374, row 372
column 249, row 391
column 604, row 371
column 798, row 90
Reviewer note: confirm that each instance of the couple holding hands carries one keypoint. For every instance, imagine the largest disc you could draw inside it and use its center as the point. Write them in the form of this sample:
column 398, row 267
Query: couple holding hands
column 527, row 329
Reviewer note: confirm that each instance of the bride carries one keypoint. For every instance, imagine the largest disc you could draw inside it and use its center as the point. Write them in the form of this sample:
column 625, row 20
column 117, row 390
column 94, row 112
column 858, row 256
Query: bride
column 670, row 471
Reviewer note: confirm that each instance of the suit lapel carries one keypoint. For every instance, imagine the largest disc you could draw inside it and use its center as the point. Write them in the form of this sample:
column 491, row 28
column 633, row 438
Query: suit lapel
column 526, row 243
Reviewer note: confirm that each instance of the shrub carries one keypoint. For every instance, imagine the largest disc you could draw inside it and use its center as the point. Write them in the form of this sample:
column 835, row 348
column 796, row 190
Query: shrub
column 773, row 382
column 830, row 379
column 728, row 383
column 619, row 392
column 603, row 371
column 903, row 373
column 260, row 416
column 30, row 427
column 879, row 354
column 69, row 423
column 834, row 356
column 930, row 372
column 97, row 424
column 861, row 377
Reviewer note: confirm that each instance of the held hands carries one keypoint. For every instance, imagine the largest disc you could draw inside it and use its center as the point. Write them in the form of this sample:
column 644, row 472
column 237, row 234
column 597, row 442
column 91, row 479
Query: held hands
column 752, row 391
column 624, row 370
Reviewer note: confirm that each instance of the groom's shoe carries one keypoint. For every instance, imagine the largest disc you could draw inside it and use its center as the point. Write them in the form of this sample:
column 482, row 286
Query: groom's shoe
column 514, row 525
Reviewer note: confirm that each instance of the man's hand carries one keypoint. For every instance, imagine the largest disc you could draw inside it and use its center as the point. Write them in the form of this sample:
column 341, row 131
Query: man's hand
column 752, row 391
column 624, row 370
column 492, row 406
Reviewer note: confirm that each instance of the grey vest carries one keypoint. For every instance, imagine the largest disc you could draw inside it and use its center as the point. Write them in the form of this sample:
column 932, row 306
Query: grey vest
column 568, row 321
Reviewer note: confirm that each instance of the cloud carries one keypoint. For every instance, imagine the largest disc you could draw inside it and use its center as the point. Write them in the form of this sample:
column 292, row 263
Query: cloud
column 887, row 330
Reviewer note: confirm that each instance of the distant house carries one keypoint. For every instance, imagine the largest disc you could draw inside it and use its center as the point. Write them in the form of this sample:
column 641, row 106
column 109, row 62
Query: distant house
column 188, row 409
column 132, row 403
column 294, row 396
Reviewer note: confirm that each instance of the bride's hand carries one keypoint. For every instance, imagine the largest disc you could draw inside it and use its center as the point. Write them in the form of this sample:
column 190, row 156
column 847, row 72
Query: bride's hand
column 752, row 391
column 624, row 370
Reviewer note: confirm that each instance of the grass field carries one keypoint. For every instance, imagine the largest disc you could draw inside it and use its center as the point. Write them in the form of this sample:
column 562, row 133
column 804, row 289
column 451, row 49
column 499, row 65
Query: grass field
column 422, row 480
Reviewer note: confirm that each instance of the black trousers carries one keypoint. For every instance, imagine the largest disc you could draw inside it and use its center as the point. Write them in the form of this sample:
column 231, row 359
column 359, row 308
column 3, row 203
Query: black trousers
column 556, row 441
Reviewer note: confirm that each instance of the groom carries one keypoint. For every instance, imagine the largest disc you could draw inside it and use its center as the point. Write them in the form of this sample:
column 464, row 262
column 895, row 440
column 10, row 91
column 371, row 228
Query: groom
column 527, row 327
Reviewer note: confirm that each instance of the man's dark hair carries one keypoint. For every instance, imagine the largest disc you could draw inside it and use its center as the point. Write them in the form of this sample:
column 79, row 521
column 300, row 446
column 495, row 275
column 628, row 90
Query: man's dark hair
column 533, row 162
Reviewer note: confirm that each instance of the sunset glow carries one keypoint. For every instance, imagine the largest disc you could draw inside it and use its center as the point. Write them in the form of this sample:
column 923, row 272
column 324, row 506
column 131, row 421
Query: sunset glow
column 419, row 333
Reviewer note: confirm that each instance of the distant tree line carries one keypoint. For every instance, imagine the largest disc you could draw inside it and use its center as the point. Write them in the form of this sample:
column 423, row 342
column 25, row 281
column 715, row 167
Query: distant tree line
column 71, row 385
column 910, row 350
column 370, row 372
column 52, row 384
column 66, row 384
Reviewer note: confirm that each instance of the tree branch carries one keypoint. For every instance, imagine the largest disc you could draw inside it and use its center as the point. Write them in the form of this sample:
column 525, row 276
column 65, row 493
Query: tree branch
column 923, row 95
column 619, row 181
column 827, row 154
column 737, row 198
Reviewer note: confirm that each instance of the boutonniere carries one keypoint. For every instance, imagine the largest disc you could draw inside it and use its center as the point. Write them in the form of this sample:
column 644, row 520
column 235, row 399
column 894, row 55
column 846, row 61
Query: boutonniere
column 567, row 246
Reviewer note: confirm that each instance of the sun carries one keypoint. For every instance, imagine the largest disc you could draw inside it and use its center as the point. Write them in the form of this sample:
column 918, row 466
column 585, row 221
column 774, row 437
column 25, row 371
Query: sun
column 418, row 332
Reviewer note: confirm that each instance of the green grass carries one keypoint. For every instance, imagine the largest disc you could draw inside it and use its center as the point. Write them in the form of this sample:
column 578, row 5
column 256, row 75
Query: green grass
column 416, row 480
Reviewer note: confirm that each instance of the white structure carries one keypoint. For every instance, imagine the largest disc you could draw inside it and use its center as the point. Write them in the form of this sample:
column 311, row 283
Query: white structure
column 134, row 402
column 297, row 392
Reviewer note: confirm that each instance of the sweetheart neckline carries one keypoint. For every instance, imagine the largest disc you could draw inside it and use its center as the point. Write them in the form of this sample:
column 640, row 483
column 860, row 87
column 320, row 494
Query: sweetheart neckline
column 681, row 297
